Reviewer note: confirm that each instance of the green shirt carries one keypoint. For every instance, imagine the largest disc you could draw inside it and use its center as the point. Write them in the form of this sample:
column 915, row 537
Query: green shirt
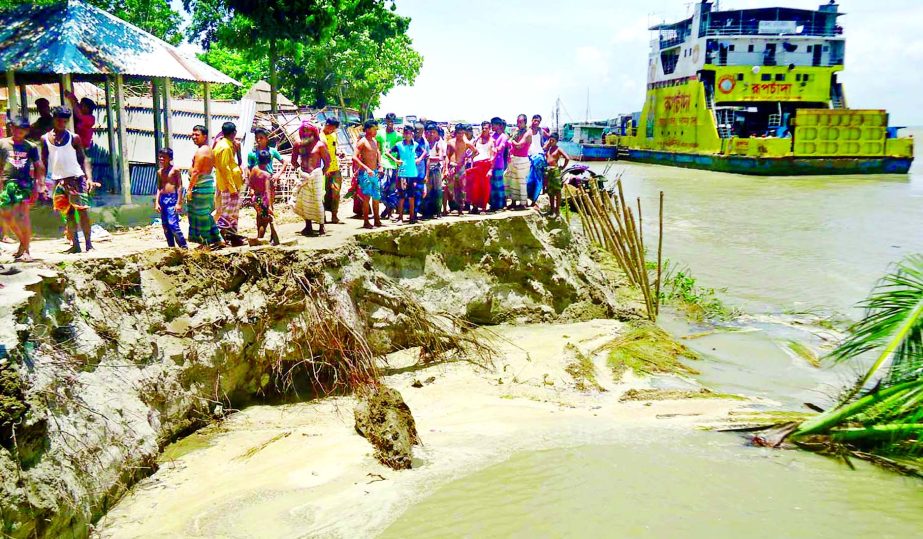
column 274, row 155
column 386, row 141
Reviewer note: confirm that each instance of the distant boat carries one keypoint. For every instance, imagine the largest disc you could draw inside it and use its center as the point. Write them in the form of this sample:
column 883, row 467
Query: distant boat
column 585, row 141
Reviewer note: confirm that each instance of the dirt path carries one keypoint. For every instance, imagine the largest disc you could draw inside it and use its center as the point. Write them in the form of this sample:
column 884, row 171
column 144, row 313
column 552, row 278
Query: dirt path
column 50, row 251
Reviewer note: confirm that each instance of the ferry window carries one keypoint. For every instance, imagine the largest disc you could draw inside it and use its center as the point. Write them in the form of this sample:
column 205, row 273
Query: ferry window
column 798, row 77
column 731, row 48
column 780, row 76
column 740, row 76
column 805, row 77
column 766, row 77
column 810, row 48
column 751, row 48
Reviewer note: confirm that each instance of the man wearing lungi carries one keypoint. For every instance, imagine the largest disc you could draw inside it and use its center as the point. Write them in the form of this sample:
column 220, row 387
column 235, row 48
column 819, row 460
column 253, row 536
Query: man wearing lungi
column 311, row 158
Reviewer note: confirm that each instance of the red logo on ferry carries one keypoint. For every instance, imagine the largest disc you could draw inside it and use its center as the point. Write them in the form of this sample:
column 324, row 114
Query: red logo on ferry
column 727, row 84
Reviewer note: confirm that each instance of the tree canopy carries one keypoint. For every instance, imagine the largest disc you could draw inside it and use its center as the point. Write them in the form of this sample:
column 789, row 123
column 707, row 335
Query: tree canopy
column 348, row 52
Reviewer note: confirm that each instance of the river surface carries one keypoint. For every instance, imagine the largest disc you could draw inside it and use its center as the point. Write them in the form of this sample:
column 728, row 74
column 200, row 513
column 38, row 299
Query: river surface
column 784, row 251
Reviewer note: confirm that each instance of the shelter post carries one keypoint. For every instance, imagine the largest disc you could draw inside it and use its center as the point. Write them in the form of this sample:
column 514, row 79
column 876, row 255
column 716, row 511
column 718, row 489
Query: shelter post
column 167, row 112
column 158, row 117
column 207, row 90
column 64, row 86
column 110, row 125
column 123, row 150
column 11, row 92
column 23, row 100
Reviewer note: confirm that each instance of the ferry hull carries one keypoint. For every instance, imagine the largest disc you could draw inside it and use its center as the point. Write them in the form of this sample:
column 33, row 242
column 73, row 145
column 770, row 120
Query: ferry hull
column 774, row 166
column 590, row 152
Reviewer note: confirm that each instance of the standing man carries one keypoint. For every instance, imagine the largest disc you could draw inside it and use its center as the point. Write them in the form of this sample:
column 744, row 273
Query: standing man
column 230, row 180
column 45, row 122
column 436, row 163
column 422, row 165
column 501, row 157
column 314, row 159
column 554, row 173
column 386, row 141
column 455, row 186
column 517, row 172
column 477, row 178
column 23, row 177
column 334, row 180
column 367, row 161
column 537, row 161
column 168, row 201
column 202, row 227
column 63, row 151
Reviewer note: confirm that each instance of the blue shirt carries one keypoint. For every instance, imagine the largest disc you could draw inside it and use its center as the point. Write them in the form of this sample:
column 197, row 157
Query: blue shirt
column 424, row 149
column 407, row 153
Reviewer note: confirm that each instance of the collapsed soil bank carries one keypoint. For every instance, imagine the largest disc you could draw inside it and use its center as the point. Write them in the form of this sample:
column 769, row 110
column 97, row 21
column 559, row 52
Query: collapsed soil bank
column 116, row 357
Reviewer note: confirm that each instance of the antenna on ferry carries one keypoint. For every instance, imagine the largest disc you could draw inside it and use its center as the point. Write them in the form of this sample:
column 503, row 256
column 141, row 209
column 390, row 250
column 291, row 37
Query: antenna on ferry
column 587, row 104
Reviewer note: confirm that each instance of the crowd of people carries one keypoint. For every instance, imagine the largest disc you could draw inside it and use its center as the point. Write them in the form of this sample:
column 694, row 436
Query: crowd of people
column 418, row 172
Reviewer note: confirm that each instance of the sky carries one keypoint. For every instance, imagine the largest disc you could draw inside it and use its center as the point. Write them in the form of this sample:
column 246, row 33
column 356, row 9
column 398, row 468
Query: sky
column 485, row 58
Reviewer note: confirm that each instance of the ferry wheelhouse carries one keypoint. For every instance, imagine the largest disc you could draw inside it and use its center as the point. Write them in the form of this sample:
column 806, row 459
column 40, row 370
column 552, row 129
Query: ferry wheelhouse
column 756, row 91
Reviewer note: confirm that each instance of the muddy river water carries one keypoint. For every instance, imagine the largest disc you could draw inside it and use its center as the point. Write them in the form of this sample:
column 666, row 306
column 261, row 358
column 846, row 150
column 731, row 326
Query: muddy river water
column 784, row 250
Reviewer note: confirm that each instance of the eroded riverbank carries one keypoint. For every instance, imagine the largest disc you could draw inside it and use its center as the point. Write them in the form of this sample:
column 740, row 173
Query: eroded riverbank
column 115, row 357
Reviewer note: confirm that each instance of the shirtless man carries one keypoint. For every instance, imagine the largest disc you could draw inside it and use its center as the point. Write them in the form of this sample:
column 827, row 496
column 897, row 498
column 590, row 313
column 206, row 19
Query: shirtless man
column 367, row 161
column 312, row 154
column 202, row 227
column 458, row 154
column 554, row 173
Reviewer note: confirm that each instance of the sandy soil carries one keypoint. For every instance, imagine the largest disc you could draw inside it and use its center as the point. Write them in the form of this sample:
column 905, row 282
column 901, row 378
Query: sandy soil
column 302, row 471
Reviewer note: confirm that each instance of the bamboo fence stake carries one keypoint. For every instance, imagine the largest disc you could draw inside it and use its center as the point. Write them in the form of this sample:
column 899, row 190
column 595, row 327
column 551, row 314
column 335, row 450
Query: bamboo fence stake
column 659, row 255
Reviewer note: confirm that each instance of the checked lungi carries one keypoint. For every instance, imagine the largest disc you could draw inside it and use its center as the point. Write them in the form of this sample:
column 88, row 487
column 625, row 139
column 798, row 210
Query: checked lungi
column 309, row 195
column 516, row 177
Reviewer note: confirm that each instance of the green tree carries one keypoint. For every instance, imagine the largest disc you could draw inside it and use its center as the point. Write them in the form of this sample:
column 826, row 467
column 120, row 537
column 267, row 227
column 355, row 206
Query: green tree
column 355, row 52
column 271, row 29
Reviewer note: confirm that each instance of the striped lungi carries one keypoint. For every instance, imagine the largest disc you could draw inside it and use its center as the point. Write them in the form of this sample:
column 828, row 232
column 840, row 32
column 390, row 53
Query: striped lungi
column 309, row 196
column 517, row 177
column 202, row 227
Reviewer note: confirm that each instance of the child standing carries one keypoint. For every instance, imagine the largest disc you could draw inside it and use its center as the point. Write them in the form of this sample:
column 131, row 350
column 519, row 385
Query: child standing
column 409, row 155
column 262, row 193
column 168, row 201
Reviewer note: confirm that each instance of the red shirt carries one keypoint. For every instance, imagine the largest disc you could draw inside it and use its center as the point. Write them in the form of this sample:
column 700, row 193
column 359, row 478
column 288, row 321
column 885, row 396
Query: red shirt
column 83, row 126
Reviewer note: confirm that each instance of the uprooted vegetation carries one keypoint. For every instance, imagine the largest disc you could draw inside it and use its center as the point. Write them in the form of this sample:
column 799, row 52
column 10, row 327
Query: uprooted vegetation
column 647, row 350
column 119, row 357
column 582, row 370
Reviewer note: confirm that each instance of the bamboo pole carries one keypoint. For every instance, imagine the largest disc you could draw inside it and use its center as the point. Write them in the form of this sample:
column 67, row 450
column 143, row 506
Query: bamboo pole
column 659, row 255
column 638, row 253
column 122, row 119
column 597, row 234
column 616, row 241
column 640, row 222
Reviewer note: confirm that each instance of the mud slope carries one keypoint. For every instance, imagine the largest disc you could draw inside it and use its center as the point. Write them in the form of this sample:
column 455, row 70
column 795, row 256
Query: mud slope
column 116, row 357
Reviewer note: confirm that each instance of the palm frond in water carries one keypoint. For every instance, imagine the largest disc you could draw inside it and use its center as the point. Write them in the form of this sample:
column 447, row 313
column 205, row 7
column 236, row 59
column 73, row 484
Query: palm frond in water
column 893, row 323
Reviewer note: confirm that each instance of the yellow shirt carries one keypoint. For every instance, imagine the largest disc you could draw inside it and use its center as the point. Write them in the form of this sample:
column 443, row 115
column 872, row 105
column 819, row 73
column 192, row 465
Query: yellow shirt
column 228, row 175
column 331, row 140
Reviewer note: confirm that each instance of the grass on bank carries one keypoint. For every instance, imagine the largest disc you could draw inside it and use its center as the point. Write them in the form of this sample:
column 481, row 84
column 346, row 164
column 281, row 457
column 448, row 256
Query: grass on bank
column 582, row 370
column 645, row 349
column 700, row 304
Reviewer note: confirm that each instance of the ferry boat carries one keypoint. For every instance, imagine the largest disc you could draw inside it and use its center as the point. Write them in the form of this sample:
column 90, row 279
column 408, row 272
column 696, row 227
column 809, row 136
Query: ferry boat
column 756, row 91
